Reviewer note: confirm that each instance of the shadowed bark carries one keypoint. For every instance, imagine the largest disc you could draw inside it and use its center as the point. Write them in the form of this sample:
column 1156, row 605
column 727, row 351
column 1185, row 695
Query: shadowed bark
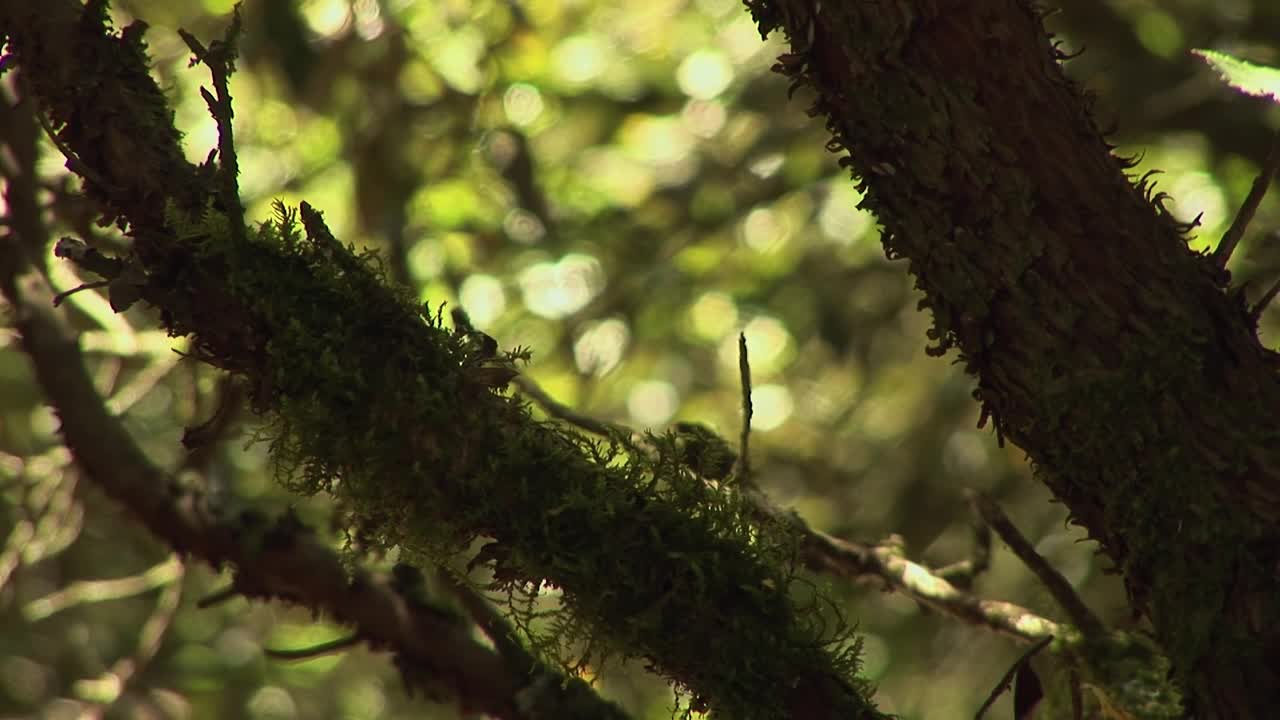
column 369, row 389
column 1117, row 358
column 1120, row 360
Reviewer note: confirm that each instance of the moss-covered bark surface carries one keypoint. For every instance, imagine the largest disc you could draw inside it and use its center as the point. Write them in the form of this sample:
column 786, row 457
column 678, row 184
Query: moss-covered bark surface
column 1119, row 359
column 403, row 421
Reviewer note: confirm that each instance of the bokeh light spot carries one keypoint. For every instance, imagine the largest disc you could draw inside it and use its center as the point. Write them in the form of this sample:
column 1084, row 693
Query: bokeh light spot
column 765, row 230
column 581, row 58
column 653, row 402
column 327, row 18
column 771, row 406
column 600, row 347
column 483, row 298
column 769, row 346
column 713, row 316
column 704, row 74
column 522, row 103
column 272, row 703
column 554, row 290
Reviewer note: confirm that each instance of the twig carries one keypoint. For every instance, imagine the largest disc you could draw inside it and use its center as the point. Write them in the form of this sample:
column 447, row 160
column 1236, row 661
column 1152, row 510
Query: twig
column 202, row 441
column 563, row 412
column 510, row 153
column 62, row 296
column 51, row 515
column 1083, row 618
column 74, row 163
column 886, row 562
column 110, row 685
column 1005, row 681
column 324, row 648
column 220, row 58
column 824, row 553
column 744, row 370
column 1077, row 697
column 142, row 383
column 93, row 591
column 217, row 597
column 1255, row 313
column 962, row 573
column 1250, row 206
column 495, row 626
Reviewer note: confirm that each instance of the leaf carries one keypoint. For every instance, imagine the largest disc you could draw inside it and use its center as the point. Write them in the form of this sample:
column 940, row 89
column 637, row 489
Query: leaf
column 1257, row 80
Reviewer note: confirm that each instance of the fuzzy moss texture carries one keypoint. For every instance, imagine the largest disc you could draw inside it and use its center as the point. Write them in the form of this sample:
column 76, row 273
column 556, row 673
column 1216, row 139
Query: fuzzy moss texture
column 376, row 403
column 426, row 456
column 404, row 421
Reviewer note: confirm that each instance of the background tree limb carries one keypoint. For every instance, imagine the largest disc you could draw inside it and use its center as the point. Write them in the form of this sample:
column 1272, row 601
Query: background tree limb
column 276, row 559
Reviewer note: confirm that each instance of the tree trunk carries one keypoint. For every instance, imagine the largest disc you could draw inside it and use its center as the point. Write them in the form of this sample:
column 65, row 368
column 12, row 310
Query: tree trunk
column 1115, row 356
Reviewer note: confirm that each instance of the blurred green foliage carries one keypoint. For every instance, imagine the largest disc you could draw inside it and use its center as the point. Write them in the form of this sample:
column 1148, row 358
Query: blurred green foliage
column 622, row 188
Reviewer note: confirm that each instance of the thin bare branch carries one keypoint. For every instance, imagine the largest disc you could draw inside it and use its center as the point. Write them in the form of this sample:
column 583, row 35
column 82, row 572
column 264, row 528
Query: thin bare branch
column 1007, row 680
column 885, row 562
column 1245, row 214
column 744, row 447
column 1057, row 585
column 94, row 591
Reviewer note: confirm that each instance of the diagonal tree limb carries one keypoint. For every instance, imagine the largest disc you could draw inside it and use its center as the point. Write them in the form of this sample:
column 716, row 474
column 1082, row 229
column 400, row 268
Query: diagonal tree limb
column 369, row 390
column 1118, row 665
column 280, row 560
column 283, row 562
column 1053, row 581
column 888, row 563
column 1249, row 207
column 885, row 562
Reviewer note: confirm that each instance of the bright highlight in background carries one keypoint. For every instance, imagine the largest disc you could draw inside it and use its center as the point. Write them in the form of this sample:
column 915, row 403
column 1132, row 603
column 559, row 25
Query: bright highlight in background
column 327, row 18
column 713, row 315
column 769, row 346
column 600, row 348
column 581, row 58
column 522, row 103
column 483, row 298
column 554, row 290
column 704, row 74
column 653, row 402
column 771, row 406
column 456, row 56
column 764, row 230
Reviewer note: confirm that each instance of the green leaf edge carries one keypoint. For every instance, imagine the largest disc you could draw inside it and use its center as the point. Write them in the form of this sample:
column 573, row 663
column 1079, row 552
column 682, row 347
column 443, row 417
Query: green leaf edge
column 1248, row 78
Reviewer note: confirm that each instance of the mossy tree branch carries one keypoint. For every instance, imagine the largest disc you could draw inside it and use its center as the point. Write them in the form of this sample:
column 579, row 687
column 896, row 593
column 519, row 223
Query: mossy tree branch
column 1103, row 346
column 280, row 559
column 374, row 401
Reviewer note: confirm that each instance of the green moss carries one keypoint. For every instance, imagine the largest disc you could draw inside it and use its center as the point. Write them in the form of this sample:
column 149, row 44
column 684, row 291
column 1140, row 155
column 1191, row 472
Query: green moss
column 404, row 422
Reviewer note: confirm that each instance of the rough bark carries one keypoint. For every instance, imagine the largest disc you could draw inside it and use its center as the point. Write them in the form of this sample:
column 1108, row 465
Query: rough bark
column 367, row 388
column 1119, row 359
